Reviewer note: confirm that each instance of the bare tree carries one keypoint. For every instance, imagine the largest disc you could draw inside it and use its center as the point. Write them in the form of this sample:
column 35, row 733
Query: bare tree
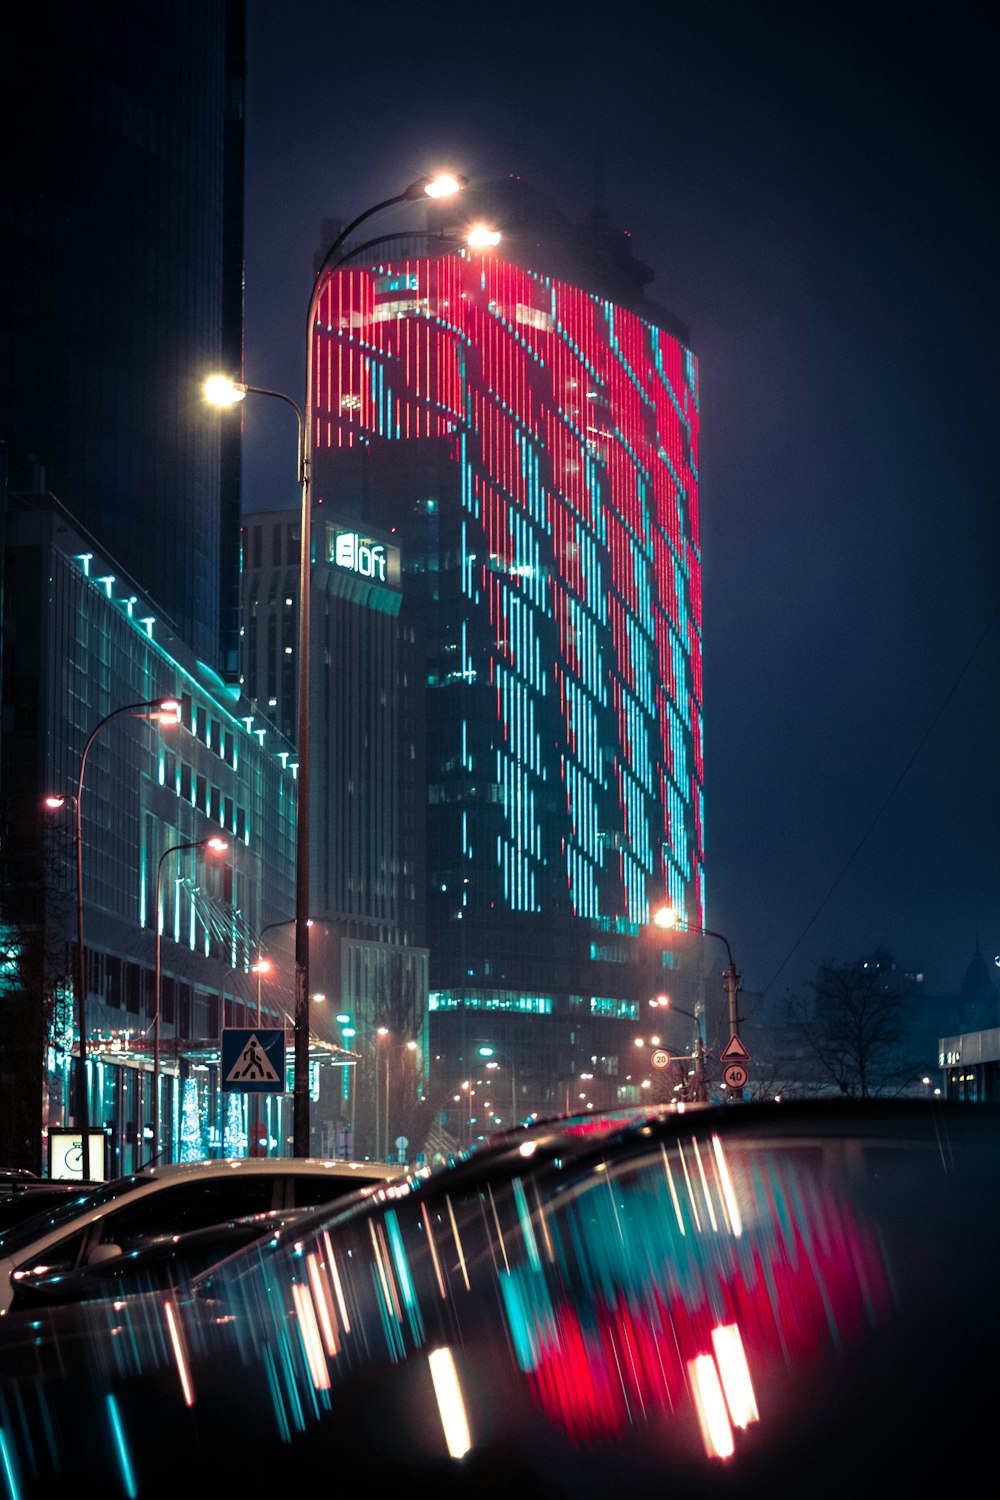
column 854, row 1029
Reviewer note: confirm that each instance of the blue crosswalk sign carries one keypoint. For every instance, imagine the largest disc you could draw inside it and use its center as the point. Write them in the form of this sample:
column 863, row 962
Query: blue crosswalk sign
column 253, row 1060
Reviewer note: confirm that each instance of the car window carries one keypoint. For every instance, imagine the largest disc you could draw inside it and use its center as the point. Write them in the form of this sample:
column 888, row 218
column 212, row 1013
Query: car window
column 189, row 1205
column 63, row 1256
column 19, row 1236
column 310, row 1192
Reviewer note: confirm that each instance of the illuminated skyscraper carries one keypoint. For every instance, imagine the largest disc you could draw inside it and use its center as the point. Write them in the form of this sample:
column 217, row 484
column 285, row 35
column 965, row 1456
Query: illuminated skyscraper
column 534, row 446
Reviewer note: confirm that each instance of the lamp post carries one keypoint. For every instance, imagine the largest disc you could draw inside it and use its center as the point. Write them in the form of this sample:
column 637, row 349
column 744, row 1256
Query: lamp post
column 222, row 391
column 732, row 982
column 488, row 1051
column 700, row 1081
column 158, row 710
column 217, row 846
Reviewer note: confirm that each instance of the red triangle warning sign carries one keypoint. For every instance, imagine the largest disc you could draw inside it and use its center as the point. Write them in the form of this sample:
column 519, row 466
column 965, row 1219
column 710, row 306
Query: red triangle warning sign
column 735, row 1050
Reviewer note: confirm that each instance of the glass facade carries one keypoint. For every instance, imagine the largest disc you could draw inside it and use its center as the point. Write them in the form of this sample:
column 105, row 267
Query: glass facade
column 535, row 448
column 80, row 644
column 121, row 260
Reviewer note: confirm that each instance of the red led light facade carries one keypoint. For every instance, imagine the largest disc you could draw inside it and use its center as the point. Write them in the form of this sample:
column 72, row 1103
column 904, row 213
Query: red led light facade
column 573, row 577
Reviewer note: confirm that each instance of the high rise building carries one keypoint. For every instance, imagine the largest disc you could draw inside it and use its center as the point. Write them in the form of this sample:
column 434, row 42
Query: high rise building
column 121, row 258
column 367, row 886
column 121, row 226
column 533, row 445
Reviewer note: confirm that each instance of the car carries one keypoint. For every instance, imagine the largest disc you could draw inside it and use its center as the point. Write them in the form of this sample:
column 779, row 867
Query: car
column 733, row 1300
column 162, row 1262
column 26, row 1201
column 169, row 1198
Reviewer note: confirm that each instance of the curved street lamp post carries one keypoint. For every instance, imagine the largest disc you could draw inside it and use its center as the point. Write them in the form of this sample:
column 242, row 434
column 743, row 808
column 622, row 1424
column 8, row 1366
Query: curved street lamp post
column 222, row 391
column 488, row 1051
column 217, row 846
column 162, row 710
column 732, row 982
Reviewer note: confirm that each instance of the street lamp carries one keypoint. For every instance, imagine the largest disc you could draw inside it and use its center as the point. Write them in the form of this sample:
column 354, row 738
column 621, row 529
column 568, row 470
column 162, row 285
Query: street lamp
column 157, row 710
column 667, row 917
column 700, row 1081
column 487, row 1050
column 217, row 846
column 217, row 390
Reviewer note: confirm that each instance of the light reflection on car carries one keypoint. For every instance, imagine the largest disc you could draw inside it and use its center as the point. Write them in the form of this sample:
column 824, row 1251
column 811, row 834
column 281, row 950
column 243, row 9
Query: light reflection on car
column 704, row 1296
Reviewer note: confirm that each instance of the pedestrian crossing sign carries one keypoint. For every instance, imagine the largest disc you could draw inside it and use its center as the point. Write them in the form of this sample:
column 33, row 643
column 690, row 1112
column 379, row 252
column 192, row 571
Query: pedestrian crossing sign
column 253, row 1060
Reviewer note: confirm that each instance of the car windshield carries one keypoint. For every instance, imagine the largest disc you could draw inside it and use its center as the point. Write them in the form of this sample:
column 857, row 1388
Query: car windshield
column 64, row 1212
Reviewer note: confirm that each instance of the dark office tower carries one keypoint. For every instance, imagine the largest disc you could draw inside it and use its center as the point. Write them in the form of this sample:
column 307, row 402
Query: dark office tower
column 535, row 445
column 121, row 284
column 367, row 881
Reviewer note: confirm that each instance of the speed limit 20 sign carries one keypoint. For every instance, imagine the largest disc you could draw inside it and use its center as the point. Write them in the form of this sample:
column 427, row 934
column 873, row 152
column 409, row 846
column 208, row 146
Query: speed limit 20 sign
column 660, row 1059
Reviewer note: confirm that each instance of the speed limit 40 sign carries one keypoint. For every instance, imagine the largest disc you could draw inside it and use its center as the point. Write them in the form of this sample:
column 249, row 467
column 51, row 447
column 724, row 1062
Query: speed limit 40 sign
column 735, row 1075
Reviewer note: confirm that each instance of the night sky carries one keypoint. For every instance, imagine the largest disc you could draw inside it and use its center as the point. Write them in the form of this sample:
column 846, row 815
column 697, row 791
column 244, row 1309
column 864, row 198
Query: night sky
column 817, row 195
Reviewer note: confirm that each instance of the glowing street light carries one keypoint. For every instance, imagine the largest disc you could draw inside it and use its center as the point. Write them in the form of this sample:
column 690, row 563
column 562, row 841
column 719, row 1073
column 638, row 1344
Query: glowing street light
column 441, row 185
column 164, row 711
column 214, row 845
column 667, row 917
column 482, row 237
column 487, row 1050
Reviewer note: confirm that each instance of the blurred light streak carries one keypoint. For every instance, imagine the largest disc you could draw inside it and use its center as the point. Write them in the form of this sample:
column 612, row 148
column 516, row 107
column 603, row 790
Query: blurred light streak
column 323, row 1303
column 180, row 1354
column 527, row 1148
column 730, row 1205
column 543, row 1224
column 451, row 1406
column 338, row 1290
column 710, row 1404
column 125, row 1463
column 527, row 1231
column 705, row 1185
column 384, row 1273
column 499, row 1230
column 673, row 1191
column 309, row 1329
column 730, row 1356
column 8, row 1468
column 432, row 1246
column 277, row 1400
column 404, row 1278
column 690, row 1190
column 458, row 1244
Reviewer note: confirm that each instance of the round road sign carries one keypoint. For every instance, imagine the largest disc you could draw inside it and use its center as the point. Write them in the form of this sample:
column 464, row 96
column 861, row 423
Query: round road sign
column 735, row 1075
column 660, row 1059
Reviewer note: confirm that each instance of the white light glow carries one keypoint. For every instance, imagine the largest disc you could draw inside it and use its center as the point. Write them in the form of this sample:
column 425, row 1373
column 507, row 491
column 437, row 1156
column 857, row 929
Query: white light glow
column 482, row 237
column 219, row 390
column 710, row 1404
column 444, row 185
column 450, row 1404
column 730, row 1356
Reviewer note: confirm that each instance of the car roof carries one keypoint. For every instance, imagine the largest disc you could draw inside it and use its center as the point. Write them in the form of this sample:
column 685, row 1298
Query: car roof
column 268, row 1166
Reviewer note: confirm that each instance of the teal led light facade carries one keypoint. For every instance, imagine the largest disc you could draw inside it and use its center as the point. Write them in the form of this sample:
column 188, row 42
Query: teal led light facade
column 534, row 446
column 571, row 566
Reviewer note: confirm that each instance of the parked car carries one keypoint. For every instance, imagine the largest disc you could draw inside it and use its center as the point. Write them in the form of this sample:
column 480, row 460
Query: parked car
column 163, row 1262
column 735, row 1300
column 121, row 1214
column 41, row 1196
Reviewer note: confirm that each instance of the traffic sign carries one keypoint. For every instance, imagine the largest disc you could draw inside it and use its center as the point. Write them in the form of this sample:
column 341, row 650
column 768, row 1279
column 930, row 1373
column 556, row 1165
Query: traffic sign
column 253, row 1060
column 735, row 1075
column 660, row 1059
column 735, row 1051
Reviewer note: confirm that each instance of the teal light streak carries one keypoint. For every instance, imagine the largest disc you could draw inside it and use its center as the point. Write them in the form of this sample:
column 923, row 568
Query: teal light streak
column 118, row 1433
column 527, row 1229
column 410, row 1301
